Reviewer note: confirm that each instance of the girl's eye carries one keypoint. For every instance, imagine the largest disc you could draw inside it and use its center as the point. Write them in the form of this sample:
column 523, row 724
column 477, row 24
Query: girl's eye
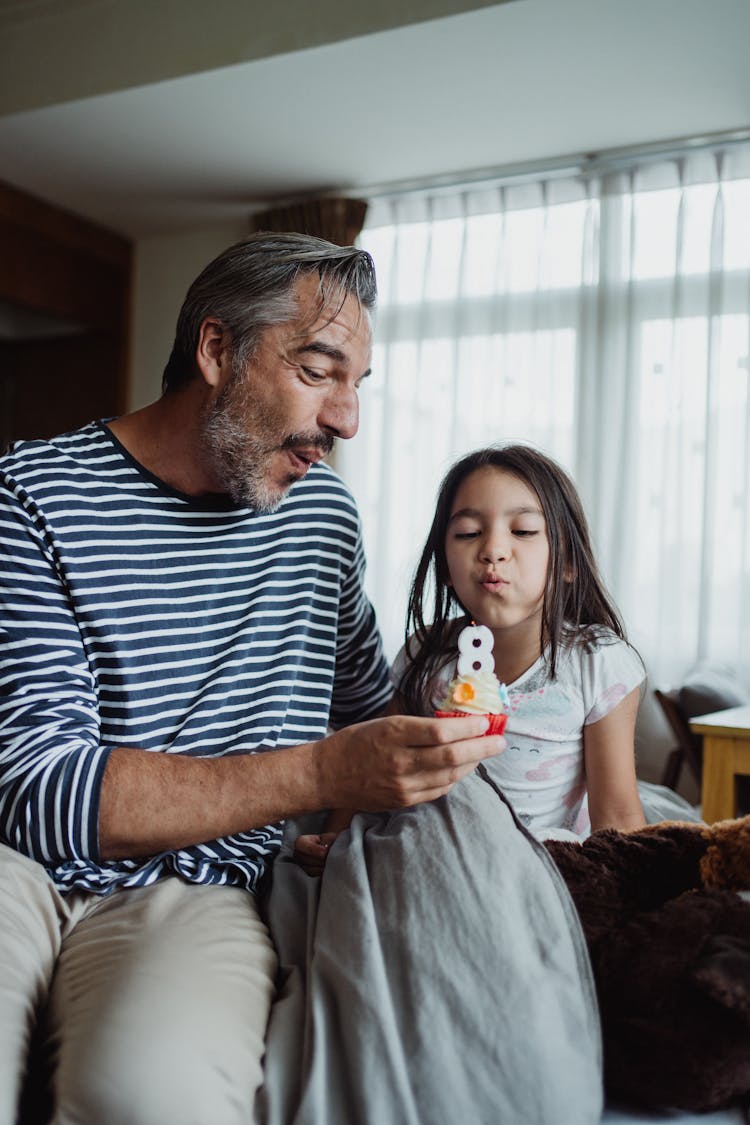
column 466, row 534
column 524, row 532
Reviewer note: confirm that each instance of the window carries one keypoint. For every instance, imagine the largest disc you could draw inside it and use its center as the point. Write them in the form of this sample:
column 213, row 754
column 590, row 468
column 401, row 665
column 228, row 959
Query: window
column 606, row 320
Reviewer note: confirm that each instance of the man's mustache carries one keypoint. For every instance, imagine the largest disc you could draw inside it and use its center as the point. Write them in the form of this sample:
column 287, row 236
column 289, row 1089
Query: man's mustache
column 321, row 441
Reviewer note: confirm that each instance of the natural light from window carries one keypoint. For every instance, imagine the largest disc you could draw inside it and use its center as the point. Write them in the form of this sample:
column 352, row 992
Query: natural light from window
column 608, row 325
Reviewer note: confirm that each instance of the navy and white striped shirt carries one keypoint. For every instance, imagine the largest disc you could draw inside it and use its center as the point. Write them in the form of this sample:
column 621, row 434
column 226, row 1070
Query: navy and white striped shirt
column 133, row 615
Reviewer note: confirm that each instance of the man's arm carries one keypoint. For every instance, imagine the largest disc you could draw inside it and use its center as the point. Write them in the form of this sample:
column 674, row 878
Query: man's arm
column 52, row 760
column 64, row 795
column 158, row 802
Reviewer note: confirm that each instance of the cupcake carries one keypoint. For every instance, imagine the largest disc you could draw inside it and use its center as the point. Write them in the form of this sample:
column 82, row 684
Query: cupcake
column 476, row 689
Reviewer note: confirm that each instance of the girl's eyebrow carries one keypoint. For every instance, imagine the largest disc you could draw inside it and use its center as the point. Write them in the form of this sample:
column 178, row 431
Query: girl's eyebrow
column 474, row 513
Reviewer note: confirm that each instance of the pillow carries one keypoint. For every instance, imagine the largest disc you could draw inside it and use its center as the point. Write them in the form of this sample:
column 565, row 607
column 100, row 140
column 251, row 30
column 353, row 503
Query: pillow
column 712, row 687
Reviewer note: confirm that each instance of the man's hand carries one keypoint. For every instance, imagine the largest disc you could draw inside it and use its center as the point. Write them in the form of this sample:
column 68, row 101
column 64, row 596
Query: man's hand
column 400, row 760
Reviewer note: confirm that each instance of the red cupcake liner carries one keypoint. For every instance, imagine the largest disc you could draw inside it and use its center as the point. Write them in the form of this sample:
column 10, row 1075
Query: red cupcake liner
column 497, row 722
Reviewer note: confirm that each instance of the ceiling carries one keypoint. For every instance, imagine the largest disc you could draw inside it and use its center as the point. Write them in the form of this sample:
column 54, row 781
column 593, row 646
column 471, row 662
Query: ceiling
column 498, row 86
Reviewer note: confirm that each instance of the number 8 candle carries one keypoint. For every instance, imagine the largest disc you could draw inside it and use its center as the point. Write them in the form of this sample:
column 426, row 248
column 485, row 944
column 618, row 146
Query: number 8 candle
column 476, row 689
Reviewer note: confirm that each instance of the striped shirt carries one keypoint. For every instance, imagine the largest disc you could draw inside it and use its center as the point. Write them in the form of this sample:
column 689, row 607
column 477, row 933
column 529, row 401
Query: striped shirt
column 134, row 615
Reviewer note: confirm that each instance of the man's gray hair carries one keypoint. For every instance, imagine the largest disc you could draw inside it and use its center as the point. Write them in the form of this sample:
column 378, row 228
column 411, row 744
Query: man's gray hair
column 249, row 288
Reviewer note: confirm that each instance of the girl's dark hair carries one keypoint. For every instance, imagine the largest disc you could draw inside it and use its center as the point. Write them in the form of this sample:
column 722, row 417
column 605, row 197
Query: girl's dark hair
column 575, row 599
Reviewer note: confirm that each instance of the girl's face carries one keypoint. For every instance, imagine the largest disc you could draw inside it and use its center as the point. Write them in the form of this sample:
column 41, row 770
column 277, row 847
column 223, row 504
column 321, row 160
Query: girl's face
column 497, row 549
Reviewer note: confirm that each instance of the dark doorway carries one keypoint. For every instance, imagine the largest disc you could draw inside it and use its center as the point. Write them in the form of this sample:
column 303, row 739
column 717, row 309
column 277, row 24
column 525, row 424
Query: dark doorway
column 64, row 310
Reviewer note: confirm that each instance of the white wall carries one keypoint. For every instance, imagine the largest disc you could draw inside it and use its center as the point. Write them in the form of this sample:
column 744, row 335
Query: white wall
column 165, row 265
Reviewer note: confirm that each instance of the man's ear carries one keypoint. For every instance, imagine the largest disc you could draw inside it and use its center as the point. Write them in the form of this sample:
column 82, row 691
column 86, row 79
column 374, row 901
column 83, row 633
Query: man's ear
column 212, row 353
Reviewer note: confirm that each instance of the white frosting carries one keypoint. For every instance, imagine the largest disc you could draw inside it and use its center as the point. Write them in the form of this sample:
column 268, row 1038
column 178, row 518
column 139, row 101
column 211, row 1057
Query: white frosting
column 484, row 696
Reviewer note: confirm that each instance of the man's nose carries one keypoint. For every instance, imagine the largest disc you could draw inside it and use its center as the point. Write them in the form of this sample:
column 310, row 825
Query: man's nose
column 340, row 413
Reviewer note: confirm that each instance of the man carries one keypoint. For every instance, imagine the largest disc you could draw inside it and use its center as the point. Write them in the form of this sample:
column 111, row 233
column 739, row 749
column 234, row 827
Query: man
column 182, row 616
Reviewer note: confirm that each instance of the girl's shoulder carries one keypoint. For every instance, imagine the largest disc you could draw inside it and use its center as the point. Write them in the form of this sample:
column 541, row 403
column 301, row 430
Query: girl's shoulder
column 598, row 642
column 415, row 643
column 437, row 665
column 603, row 662
column 591, row 638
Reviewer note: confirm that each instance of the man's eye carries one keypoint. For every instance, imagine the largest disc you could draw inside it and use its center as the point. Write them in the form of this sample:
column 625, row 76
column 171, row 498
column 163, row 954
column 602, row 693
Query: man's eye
column 313, row 376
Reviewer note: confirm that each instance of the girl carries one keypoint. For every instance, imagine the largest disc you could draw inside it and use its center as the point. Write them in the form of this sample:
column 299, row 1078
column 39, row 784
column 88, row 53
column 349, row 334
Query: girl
column 666, row 933
column 509, row 548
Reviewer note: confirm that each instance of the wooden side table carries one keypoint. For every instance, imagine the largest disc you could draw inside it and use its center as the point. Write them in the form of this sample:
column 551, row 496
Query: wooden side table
column 726, row 753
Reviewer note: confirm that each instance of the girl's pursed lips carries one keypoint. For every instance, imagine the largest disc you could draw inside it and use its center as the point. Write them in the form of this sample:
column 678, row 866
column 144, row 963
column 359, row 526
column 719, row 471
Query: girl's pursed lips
column 493, row 581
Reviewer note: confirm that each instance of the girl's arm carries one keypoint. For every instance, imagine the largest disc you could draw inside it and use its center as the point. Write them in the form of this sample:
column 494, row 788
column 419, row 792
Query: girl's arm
column 609, row 754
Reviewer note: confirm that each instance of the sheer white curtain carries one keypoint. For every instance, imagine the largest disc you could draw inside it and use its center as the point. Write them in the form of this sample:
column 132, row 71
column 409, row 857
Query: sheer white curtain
column 605, row 319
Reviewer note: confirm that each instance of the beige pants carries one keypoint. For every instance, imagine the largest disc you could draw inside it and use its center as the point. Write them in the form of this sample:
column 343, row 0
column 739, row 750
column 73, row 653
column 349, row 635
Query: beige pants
column 155, row 999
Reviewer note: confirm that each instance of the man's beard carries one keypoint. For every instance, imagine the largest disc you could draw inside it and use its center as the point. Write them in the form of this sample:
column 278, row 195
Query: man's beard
column 240, row 438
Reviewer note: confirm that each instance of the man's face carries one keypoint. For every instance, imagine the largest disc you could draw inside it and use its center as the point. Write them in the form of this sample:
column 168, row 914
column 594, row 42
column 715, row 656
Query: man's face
column 272, row 420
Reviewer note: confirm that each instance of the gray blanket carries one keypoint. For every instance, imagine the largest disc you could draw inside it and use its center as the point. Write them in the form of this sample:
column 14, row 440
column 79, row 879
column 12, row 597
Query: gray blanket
column 436, row 974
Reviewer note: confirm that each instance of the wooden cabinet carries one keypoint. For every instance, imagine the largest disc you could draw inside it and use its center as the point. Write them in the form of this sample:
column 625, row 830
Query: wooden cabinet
column 64, row 319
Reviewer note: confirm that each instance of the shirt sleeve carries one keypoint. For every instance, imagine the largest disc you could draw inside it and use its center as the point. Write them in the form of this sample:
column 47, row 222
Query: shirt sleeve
column 362, row 686
column 610, row 670
column 51, row 762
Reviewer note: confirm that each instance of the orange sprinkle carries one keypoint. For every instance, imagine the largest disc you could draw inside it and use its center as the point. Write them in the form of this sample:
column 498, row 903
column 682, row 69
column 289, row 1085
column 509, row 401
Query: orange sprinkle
column 462, row 693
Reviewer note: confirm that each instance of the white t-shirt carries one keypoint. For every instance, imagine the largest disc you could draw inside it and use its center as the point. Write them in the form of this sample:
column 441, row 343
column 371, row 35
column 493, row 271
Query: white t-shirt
column 542, row 769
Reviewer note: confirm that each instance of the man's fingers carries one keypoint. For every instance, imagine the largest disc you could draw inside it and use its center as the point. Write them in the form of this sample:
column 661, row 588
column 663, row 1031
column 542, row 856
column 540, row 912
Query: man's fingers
column 467, row 752
column 431, row 771
column 439, row 785
column 437, row 732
